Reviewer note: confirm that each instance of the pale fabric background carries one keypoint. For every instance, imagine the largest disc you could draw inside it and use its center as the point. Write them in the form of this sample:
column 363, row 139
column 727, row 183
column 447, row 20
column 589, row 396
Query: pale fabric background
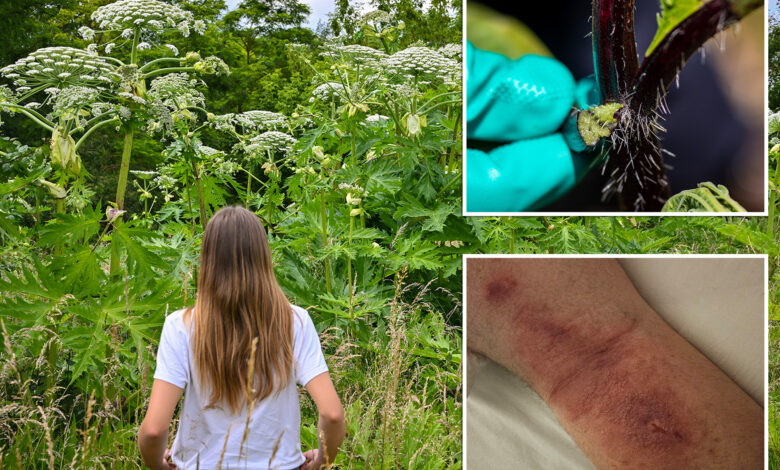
column 715, row 303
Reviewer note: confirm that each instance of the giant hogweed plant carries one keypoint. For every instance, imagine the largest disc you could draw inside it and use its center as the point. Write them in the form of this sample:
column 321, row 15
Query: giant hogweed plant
column 357, row 198
column 84, row 91
column 635, row 162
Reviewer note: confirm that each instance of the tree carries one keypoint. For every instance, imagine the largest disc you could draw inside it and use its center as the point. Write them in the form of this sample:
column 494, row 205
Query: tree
column 774, row 62
column 255, row 19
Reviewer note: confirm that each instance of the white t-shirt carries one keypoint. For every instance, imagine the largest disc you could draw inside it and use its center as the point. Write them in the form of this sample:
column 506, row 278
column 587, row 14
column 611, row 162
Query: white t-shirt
column 201, row 434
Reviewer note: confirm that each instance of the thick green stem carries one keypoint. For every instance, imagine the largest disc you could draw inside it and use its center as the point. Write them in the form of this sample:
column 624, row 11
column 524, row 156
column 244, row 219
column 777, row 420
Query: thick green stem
column 53, row 350
column 324, row 224
column 168, row 70
column 349, row 268
column 201, row 202
column 121, row 186
column 248, row 188
column 512, row 241
column 134, row 50
column 124, row 168
column 189, row 204
column 149, row 65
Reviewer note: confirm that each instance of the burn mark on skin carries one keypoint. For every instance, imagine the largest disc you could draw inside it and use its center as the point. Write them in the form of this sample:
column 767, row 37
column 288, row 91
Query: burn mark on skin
column 500, row 289
column 648, row 421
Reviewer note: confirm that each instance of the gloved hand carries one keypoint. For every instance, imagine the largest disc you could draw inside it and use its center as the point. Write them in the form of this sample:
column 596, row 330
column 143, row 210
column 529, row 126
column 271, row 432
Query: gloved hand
column 524, row 103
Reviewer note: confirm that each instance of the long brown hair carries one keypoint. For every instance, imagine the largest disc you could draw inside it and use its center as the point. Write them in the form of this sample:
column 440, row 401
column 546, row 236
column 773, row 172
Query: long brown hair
column 239, row 299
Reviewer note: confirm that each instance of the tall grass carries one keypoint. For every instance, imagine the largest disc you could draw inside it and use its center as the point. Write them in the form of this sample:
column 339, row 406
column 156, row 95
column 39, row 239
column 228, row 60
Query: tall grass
column 400, row 412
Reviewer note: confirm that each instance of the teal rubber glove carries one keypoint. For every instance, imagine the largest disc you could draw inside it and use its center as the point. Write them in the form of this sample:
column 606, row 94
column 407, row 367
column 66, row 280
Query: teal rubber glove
column 525, row 103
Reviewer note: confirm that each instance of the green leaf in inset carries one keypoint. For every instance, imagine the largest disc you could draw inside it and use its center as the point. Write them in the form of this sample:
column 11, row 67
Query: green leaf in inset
column 673, row 12
column 707, row 197
column 492, row 31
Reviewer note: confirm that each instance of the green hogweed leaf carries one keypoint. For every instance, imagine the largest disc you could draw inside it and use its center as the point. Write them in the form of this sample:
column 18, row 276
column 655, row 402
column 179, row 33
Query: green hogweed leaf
column 673, row 12
column 706, row 198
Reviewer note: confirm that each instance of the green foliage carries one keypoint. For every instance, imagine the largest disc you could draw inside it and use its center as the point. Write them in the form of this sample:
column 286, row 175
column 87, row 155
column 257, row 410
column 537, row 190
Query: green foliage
column 84, row 293
column 673, row 12
column 707, row 197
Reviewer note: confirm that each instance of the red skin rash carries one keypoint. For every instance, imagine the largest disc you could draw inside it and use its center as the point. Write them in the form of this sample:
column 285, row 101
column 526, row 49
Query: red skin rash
column 499, row 290
column 630, row 391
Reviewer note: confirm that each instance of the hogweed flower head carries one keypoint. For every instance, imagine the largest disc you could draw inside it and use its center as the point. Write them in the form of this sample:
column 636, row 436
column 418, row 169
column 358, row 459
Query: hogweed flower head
column 144, row 175
column 60, row 67
column 422, row 62
column 176, row 91
column 271, row 141
column 145, row 15
column 260, row 120
column 75, row 98
column 328, row 91
column 211, row 65
column 452, row 50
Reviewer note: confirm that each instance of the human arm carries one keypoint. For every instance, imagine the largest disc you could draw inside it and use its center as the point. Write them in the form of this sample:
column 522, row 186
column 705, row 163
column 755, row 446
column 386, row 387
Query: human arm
column 330, row 427
column 628, row 389
column 153, row 433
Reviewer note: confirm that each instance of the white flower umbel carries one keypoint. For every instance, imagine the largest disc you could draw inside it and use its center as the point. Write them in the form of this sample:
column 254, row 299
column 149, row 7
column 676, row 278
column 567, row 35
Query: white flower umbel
column 144, row 175
column 271, row 141
column 258, row 120
column 452, row 50
column 357, row 54
column 143, row 15
column 176, row 91
column 87, row 33
column 377, row 16
column 60, row 67
column 422, row 62
column 74, row 98
column 329, row 91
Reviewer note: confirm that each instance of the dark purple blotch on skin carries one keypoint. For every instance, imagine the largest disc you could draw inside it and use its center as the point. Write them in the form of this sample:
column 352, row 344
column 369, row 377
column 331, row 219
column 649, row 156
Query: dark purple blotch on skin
column 498, row 290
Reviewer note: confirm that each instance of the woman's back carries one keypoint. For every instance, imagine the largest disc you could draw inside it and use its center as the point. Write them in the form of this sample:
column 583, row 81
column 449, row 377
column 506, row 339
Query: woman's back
column 238, row 354
column 207, row 436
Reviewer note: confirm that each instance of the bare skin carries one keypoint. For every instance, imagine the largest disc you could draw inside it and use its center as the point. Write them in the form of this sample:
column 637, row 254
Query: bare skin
column 631, row 392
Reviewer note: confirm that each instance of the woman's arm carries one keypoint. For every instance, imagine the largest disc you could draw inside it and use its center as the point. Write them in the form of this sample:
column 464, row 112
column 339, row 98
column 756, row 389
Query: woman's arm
column 153, row 433
column 331, row 422
column 629, row 390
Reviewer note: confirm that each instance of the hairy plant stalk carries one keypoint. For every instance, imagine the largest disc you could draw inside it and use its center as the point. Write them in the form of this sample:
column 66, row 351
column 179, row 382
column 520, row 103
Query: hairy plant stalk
column 635, row 163
column 614, row 47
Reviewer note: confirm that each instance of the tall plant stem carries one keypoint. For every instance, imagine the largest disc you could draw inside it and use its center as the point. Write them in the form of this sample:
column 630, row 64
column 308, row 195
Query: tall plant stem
column 121, row 186
column 635, row 164
column 349, row 268
column 189, row 203
column 201, row 202
column 614, row 47
column 249, row 178
column 770, row 222
column 324, row 227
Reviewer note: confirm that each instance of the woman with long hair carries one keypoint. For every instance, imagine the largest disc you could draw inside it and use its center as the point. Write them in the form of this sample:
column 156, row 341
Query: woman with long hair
column 239, row 353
